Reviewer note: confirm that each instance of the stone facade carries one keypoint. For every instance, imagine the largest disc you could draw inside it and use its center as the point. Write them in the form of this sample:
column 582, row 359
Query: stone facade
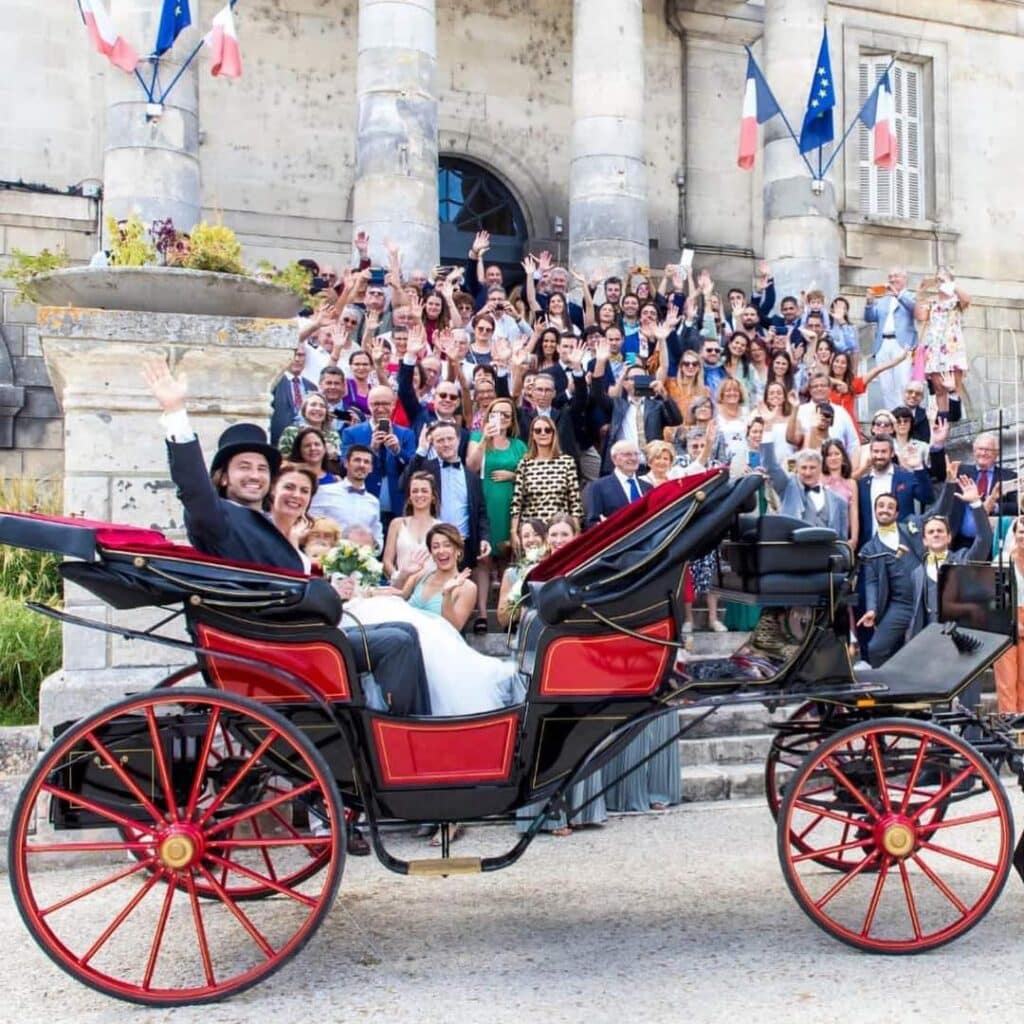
column 278, row 148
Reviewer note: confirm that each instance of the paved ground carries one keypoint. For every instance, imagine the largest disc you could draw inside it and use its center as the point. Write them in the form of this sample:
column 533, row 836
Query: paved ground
column 682, row 916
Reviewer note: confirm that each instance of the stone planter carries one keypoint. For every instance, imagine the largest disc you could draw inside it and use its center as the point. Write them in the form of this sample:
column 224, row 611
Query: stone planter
column 165, row 290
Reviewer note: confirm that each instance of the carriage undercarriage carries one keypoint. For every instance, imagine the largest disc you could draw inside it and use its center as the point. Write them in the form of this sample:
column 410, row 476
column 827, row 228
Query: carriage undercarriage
column 210, row 826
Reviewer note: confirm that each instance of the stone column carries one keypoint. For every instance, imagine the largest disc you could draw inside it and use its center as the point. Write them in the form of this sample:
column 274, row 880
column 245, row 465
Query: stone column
column 115, row 457
column 395, row 193
column 801, row 234
column 607, row 175
column 152, row 165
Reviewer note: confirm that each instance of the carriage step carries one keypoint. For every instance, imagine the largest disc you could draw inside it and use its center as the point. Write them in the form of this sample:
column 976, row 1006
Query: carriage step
column 438, row 866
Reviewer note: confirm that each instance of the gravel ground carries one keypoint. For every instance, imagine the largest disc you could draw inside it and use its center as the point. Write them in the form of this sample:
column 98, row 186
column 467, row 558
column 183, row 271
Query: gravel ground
column 679, row 916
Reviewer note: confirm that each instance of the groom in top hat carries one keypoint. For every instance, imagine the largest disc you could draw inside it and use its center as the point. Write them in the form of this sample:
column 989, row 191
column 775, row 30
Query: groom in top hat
column 224, row 516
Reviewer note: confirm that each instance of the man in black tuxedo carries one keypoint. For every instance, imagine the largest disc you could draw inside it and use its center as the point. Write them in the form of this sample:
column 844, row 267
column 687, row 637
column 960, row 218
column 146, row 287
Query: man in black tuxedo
column 289, row 391
column 608, row 494
column 462, row 494
column 224, row 516
column 992, row 483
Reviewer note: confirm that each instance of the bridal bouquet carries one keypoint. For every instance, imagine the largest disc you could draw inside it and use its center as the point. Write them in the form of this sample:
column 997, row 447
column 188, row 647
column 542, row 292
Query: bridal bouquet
column 515, row 595
column 355, row 560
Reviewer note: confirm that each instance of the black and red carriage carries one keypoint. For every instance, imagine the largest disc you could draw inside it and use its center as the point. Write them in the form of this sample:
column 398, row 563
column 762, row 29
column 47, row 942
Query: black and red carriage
column 199, row 826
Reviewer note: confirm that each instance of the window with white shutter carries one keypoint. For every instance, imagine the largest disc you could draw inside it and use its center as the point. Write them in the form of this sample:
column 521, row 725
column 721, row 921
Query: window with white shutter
column 898, row 193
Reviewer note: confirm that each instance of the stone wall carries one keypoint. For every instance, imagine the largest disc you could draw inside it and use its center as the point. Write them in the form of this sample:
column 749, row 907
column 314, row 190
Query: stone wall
column 277, row 146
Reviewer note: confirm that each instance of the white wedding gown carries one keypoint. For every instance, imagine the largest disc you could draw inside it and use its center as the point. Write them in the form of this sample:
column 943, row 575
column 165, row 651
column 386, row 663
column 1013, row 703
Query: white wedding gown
column 461, row 680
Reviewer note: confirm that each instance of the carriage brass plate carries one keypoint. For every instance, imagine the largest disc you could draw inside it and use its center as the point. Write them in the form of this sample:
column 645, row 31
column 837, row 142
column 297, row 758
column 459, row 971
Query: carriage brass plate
column 436, row 866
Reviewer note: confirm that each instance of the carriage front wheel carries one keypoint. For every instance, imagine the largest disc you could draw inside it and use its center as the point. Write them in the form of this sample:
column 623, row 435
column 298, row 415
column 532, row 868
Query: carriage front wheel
column 139, row 827
column 927, row 820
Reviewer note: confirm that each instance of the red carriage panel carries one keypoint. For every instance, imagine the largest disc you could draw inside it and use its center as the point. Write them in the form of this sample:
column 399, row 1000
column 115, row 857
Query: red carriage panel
column 606, row 666
column 318, row 662
column 424, row 753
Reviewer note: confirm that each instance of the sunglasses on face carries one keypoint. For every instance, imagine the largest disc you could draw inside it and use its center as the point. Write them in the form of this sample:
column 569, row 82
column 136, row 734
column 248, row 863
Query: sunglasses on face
column 484, row 329
column 690, row 363
column 542, row 431
column 447, row 394
column 712, row 351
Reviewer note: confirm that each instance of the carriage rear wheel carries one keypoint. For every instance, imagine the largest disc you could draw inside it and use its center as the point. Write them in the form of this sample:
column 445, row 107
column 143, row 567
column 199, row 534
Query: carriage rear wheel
column 168, row 812
column 794, row 739
column 927, row 821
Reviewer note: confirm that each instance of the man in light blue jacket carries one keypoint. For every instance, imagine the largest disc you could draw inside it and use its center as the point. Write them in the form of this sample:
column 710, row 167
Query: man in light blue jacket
column 895, row 331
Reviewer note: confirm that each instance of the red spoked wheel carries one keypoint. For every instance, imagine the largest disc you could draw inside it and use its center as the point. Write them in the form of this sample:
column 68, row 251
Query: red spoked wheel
column 794, row 739
column 927, row 820
column 151, row 821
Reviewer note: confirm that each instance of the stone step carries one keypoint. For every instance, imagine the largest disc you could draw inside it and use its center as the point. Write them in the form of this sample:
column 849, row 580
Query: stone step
column 751, row 749
column 19, row 749
column 722, row 782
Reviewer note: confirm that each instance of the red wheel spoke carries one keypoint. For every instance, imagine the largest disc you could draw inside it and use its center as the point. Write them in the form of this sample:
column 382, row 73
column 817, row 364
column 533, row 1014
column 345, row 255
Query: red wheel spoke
column 263, row 850
column 826, row 813
column 818, row 819
column 841, row 848
column 259, row 808
column 280, row 818
column 236, row 779
column 96, row 886
column 883, row 788
column 107, row 847
column 254, row 933
column 850, row 788
column 270, row 883
column 121, row 916
column 197, row 920
column 869, row 917
column 968, row 820
column 265, row 843
column 942, row 793
column 90, row 805
column 846, row 879
column 204, row 758
column 914, row 773
column 956, row 855
column 908, row 893
column 125, row 778
column 158, row 936
column 161, row 763
column 941, row 885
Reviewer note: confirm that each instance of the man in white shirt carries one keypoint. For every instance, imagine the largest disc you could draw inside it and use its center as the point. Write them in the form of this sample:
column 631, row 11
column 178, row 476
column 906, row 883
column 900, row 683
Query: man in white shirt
column 348, row 502
column 842, row 427
column 621, row 487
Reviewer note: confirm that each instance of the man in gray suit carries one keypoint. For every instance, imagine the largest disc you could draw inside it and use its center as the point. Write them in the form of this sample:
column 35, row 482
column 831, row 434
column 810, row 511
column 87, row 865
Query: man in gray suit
column 895, row 332
column 802, row 494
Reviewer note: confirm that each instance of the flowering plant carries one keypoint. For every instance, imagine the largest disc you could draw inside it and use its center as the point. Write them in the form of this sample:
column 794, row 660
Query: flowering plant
column 355, row 560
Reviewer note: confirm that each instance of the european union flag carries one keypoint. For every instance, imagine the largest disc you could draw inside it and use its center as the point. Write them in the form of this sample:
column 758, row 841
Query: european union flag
column 817, row 128
column 174, row 17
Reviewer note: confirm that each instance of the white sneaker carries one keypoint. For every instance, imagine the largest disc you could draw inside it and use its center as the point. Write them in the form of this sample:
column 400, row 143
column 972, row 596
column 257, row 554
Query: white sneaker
column 718, row 626
column 687, row 627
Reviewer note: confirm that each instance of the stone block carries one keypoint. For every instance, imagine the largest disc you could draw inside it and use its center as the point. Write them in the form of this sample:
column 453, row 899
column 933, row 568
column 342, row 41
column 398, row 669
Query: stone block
column 86, row 648
column 18, row 312
column 139, row 653
column 81, row 245
column 13, row 338
column 30, row 370
column 12, row 465
column 42, row 465
column 1002, row 318
column 38, row 433
column 34, row 239
column 40, row 403
column 19, row 749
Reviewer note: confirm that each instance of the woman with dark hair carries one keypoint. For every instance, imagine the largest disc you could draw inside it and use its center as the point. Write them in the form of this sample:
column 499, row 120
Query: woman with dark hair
column 405, row 549
column 290, row 496
column 543, row 344
column 313, row 413
column 757, row 369
column 780, row 369
column 308, row 450
column 444, row 590
column 532, row 542
column 737, row 361
column 358, row 385
column 607, row 314
column 837, row 476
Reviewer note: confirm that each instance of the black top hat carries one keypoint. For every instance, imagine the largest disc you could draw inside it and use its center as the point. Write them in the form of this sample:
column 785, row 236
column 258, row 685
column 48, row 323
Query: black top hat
column 244, row 437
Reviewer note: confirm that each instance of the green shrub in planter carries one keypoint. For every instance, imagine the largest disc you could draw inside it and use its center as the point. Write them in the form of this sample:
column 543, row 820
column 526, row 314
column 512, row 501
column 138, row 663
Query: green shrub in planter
column 30, row 649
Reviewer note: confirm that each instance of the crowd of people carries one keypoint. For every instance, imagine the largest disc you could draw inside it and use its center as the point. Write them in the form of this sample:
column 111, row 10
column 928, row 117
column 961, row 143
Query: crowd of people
column 462, row 429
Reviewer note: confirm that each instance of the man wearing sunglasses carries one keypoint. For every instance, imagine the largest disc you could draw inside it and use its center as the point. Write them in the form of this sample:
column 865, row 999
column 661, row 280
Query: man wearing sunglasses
column 711, row 364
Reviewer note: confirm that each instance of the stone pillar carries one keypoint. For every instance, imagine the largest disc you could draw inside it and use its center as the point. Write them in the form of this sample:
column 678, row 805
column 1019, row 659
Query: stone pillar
column 395, row 192
column 115, row 457
column 152, row 165
column 801, row 233
column 607, row 175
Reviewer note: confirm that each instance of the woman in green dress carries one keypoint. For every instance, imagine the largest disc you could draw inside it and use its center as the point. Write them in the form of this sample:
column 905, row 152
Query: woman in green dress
column 494, row 452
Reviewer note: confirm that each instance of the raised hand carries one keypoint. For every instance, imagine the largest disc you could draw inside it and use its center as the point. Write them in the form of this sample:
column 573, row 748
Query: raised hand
column 912, row 458
column 416, row 306
column 168, row 390
column 450, row 586
column 952, row 471
column 968, row 490
column 545, row 262
column 939, row 433
column 417, row 340
column 361, row 242
column 501, row 351
column 576, row 356
column 764, row 272
column 340, row 340
column 529, row 264
column 481, row 243
column 603, row 351
column 393, row 251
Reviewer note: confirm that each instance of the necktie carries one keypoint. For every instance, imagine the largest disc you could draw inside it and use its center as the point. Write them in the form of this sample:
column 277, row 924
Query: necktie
column 296, row 393
column 634, row 489
column 641, row 434
column 983, row 475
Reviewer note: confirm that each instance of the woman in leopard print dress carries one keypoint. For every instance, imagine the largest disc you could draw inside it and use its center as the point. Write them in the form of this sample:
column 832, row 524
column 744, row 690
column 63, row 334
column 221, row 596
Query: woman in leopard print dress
column 547, row 482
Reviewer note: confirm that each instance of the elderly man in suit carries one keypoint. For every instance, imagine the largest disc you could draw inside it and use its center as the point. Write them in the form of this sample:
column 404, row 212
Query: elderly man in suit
column 608, row 494
column 288, row 394
column 895, row 332
column 992, row 481
column 901, row 567
column 802, row 493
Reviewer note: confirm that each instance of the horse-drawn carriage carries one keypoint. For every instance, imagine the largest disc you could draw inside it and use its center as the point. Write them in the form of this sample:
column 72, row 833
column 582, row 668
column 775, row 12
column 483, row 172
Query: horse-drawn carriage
column 206, row 824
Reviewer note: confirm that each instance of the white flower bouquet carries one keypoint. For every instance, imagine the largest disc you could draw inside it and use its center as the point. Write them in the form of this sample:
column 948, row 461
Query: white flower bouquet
column 357, row 561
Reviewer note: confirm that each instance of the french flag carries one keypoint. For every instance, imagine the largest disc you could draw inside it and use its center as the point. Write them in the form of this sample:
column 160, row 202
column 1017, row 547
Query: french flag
column 105, row 38
column 759, row 105
column 223, row 41
column 879, row 117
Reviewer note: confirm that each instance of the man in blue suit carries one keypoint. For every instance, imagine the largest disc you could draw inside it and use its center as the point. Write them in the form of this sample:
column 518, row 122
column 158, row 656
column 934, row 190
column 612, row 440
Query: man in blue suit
column 906, row 484
column 606, row 495
column 289, row 391
column 393, row 448
column 895, row 332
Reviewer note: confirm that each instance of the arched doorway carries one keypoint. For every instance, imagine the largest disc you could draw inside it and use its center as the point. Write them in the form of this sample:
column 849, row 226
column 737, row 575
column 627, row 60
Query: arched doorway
column 471, row 199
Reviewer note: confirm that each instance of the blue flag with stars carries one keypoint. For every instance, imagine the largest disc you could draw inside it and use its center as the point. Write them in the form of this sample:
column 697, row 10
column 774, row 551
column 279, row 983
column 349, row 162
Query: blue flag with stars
column 174, row 16
column 817, row 128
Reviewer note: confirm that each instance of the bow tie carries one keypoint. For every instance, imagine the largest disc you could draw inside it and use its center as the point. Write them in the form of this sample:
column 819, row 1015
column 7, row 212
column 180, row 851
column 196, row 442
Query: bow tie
column 356, row 490
column 816, row 489
column 457, row 464
column 934, row 559
column 888, row 531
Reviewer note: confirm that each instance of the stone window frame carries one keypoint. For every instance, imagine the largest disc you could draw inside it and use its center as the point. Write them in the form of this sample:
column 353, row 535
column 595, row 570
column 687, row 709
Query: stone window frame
column 932, row 57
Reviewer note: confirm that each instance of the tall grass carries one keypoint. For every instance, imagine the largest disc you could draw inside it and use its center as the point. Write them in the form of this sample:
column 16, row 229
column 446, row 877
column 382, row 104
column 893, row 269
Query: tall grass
column 30, row 643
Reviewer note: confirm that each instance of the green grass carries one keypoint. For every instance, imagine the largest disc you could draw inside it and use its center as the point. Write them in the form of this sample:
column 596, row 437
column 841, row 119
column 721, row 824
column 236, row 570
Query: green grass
column 30, row 643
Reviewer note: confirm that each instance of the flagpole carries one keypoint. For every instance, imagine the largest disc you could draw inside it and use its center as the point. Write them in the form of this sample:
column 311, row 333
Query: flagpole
column 188, row 60
column 853, row 123
column 782, row 113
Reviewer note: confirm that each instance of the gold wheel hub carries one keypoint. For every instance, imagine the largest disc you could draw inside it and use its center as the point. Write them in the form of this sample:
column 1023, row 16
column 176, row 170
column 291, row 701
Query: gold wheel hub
column 898, row 839
column 179, row 848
